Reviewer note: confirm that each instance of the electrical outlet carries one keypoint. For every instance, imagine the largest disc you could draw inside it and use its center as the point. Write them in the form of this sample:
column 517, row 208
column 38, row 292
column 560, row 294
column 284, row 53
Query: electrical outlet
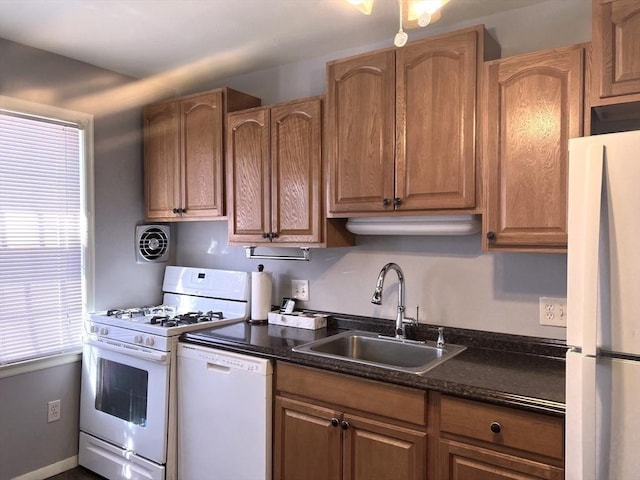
column 300, row 290
column 553, row 311
column 53, row 411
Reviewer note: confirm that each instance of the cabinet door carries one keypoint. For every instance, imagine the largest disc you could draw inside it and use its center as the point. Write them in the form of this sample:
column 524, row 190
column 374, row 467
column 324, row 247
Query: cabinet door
column 459, row 461
column 202, row 161
column 435, row 123
column 616, row 46
column 374, row 449
column 161, row 161
column 296, row 166
column 533, row 104
column 307, row 445
column 360, row 133
column 248, row 175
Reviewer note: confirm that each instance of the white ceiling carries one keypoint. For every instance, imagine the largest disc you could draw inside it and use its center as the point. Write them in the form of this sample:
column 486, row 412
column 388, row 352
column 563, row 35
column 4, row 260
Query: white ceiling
column 144, row 38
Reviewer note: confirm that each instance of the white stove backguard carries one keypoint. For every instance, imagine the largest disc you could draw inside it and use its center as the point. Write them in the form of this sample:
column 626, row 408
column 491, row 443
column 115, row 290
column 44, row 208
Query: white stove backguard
column 188, row 303
column 204, row 282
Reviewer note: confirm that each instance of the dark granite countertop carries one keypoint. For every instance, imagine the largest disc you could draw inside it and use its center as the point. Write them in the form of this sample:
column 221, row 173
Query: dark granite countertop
column 522, row 372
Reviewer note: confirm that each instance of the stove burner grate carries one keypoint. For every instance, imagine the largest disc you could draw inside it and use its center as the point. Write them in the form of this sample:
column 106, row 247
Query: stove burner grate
column 185, row 318
column 126, row 312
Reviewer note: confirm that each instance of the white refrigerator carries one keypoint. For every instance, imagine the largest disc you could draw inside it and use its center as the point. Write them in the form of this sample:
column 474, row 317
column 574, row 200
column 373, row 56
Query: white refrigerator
column 603, row 308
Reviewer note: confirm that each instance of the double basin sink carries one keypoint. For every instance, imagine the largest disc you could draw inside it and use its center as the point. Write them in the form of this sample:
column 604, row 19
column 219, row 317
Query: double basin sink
column 369, row 348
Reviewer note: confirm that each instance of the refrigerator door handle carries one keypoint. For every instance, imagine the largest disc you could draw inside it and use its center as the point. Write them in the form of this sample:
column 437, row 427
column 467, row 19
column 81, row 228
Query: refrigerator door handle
column 580, row 433
column 584, row 239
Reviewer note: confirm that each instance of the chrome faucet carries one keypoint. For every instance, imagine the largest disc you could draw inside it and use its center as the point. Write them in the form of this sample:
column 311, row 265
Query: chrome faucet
column 377, row 296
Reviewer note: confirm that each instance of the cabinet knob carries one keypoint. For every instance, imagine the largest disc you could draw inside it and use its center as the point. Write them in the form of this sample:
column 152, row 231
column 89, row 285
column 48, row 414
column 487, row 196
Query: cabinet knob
column 397, row 201
column 183, row 210
column 175, row 210
column 495, row 427
column 345, row 425
column 335, row 422
column 386, row 202
column 491, row 236
column 265, row 235
column 274, row 235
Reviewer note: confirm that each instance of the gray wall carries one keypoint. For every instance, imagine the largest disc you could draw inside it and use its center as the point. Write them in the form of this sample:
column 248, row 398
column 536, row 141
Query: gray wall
column 450, row 278
column 27, row 441
column 452, row 281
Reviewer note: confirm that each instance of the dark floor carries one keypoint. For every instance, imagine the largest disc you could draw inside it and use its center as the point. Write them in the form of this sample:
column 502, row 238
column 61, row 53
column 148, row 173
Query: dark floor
column 77, row 473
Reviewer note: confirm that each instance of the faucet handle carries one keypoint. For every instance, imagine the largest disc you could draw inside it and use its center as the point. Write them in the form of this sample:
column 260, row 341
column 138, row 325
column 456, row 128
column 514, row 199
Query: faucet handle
column 440, row 342
column 412, row 321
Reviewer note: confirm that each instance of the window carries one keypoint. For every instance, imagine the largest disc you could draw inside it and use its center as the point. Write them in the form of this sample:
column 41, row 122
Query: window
column 44, row 254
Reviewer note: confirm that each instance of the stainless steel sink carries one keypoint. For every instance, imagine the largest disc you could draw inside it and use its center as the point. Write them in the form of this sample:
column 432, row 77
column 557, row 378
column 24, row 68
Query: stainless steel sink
column 371, row 349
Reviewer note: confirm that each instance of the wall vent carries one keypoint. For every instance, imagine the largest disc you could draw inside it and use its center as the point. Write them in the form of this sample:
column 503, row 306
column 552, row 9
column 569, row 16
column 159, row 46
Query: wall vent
column 152, row 243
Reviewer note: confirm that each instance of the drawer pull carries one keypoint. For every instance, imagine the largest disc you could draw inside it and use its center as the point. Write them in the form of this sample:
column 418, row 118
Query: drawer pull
column 335, row 422
column 495, row 427
column 345, row 425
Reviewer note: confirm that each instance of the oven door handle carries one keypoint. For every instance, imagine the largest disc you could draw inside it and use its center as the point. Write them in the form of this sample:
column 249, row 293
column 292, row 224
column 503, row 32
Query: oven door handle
column 160, row 357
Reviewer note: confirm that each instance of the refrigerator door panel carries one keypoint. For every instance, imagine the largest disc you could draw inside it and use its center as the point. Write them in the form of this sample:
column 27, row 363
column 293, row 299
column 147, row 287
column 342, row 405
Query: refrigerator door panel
column 586, row 162
column 618, row 418
column 602, row 430
column 604, row 194
column 580, row 420
column 619, row 330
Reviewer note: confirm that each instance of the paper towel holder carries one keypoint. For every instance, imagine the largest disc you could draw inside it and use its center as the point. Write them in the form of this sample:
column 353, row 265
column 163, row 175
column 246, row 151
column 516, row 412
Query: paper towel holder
column 250, row 252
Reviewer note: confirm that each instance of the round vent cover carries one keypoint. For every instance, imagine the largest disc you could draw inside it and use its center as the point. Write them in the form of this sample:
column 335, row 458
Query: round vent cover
column 152, row 243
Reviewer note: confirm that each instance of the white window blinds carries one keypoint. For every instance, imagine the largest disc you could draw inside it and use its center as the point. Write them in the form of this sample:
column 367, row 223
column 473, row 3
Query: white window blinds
column 41, row 298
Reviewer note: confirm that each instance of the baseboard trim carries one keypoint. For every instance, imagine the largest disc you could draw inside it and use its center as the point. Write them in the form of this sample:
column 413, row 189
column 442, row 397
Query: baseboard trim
column 50, row 470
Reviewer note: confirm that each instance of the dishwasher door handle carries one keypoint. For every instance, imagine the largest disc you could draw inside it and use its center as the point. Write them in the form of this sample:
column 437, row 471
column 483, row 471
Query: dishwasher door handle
column 214, row 367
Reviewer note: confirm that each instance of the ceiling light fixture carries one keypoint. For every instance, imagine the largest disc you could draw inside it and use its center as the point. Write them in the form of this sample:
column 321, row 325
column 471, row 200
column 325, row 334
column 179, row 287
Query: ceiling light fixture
column 424, row 12
column 401, row 37
column 364, row 6
column 413, row 13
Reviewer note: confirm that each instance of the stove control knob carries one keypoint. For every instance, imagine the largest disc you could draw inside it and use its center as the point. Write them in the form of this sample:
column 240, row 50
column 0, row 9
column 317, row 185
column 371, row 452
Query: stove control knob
column 149, row 341
column 137, row 339
column 104, row 332
column 93, row 329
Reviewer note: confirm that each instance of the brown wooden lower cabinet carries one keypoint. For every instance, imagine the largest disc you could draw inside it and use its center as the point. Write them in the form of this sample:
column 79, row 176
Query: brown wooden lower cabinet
column 459, row 461
column 479, row 441
column 317, row 443
column 329, row 426
column 307, row 445
column 383, row 451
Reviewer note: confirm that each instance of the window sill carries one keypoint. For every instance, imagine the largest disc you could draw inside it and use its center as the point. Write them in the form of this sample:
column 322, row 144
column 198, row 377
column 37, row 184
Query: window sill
column 39, row 364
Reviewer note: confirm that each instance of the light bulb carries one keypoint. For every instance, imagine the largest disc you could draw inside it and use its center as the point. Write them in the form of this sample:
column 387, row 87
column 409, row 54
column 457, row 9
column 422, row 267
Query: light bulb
column 364, row 6
column 400, row 39
column 424, row 19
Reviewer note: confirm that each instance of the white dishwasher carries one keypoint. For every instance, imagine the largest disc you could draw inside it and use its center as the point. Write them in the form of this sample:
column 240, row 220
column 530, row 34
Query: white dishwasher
column 224, row 415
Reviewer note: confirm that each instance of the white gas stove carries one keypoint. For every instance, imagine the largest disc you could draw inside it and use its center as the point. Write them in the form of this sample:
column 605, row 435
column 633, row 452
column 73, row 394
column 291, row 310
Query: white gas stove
column 193, row 299
column 128, row 406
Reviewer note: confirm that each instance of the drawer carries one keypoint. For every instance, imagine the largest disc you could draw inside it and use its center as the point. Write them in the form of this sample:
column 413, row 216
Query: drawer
column 353, row 393
column 508, row 427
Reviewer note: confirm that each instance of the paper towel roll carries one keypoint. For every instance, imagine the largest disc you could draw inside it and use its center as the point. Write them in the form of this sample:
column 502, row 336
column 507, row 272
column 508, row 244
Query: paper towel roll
column 260, row 295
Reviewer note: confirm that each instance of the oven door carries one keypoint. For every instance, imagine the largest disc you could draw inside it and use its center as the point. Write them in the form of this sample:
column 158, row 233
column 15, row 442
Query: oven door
column 124, row 397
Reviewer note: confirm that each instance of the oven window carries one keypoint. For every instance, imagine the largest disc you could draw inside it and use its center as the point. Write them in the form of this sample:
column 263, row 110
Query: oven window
column 122, row 391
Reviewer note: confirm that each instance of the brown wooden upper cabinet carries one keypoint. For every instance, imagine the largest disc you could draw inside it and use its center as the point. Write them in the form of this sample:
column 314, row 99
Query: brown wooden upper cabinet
column 184, row 155
column 274, row 176
column 532, row 105
column 401, row 126
column 616, row 51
